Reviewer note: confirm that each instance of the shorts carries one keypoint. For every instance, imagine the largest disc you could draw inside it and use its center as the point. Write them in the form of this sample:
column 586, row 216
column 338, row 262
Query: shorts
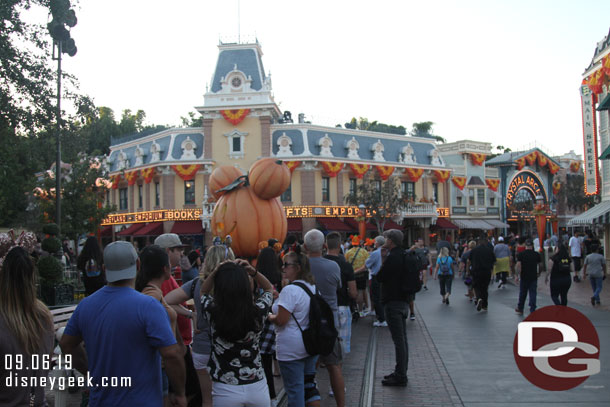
column 335, row 357
column 200, row 360
column 361, row 283
column 410, row 297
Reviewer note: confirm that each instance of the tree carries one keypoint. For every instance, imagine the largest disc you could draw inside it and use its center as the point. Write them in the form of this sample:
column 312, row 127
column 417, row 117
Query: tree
column 424, row 129
column 193, row 120
column 574, row 193
column 382, row 199
column 363, row 124
column 132, row 123
column 83, row 194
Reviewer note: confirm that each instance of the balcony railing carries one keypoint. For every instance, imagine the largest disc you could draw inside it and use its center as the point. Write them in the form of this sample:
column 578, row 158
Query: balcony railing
column 419, row 210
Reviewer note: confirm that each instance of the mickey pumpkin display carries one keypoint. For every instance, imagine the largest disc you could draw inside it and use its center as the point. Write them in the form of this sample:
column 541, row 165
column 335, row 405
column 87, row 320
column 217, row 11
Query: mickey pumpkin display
column 249, row 208
column 221, row 177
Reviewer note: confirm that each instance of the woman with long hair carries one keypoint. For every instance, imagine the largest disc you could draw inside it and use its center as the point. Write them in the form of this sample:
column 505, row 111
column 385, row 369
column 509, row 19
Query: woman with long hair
column 202, row 345
column 89, row 263
column 444, row 273
column 26, row 330
column 560, row 269
column 297, row 366
column 236, row 319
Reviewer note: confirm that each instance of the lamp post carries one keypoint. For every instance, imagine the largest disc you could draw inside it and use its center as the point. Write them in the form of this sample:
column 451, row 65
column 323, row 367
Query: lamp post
column 540, row 216
column 362, row 223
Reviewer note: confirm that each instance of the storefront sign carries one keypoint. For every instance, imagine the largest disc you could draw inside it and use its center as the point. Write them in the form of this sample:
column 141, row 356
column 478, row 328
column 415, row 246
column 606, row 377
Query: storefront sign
column 313, row 211
column 525, row 180
column 442, row 212
column 153, row 216
column 589, row 129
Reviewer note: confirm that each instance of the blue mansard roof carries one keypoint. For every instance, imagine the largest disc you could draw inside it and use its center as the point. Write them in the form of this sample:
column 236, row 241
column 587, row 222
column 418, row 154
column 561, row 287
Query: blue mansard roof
column 305, row 140
column 243, row 57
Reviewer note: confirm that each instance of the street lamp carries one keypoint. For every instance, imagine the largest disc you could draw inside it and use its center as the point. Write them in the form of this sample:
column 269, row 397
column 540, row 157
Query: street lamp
column 362, row 222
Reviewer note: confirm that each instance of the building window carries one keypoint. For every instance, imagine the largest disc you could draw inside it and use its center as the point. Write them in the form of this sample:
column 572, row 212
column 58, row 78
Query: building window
column 123, row 198
column 492, row 201
column 378, row 188
column 435, row 192
column 287, row 195
column 458, row 200
column 189, row 192
column 236, row 144
column 480, row 198
column 157, row 195
column 471, row 197
column 408, row 189
column 140, row 203
column 352, row 186
column 325, row 189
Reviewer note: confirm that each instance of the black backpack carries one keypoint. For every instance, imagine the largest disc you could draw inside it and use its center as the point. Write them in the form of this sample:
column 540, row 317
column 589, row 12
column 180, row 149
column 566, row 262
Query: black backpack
column 320, row 337
column 412, row 282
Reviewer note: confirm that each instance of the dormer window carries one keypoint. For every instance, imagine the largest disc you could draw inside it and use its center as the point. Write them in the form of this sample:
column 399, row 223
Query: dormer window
column 237, row 140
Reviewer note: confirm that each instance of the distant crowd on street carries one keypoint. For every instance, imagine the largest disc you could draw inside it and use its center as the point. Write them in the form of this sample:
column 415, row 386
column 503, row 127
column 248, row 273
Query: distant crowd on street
column 204, row 328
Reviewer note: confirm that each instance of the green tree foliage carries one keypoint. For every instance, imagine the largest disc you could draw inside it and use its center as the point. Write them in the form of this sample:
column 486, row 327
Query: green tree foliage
column 363, row 124
column 382, row 199
column 424, row 129
column 574, row 193
column 193, row 120
column 82, row 194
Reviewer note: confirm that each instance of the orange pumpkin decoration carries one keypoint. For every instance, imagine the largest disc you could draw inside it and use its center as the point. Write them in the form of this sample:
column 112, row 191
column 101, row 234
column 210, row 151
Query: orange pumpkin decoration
column 249, row 220
column 269, row 178
column 221, row 177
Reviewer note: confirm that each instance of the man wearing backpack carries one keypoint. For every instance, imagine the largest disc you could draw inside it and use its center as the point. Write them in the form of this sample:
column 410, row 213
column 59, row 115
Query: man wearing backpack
column 328, row 280
column 395, row 300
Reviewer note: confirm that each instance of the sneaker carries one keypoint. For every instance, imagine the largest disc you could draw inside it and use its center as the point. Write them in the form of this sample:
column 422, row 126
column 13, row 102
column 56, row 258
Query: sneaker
column 412, row 317
column 479, row 304
column 425, row 288
column 598, row 302
column 500, row 285
column 447, row 300
column 388, row 376
column 593, row 301
column 519, row 311
column 332, row 394
column 377, row 323
column 394, row 381
column 383, row 324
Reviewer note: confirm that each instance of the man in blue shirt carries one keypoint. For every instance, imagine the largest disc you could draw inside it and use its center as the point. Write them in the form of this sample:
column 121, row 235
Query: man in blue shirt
column 373, row 264
column 124, row 331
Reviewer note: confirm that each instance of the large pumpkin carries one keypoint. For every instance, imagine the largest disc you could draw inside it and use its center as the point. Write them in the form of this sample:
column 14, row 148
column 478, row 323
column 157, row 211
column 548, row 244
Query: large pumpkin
column 221, row 177
column 269, row 178
column 249, row 220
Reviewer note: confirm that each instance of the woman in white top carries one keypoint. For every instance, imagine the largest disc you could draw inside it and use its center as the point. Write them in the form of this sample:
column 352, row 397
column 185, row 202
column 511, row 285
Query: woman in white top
column 297, row 366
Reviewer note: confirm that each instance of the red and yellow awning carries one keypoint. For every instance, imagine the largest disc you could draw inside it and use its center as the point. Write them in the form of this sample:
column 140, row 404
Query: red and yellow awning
column 115, row 181
column 477, row 158
column 414, row 174
column 292, row 165
column 575, row 166
column 384, row 171
column 148, row 174
column 556, row 187
column 493, row 183
column 359, row 169
column 235, row 116
column 441, row 175
column 131, row 177
column 186, row 172
column 332, row 168
column 459, row 182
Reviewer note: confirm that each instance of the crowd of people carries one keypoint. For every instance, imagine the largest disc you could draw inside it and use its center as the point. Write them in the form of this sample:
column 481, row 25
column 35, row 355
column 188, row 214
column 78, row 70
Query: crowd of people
column 220, row 334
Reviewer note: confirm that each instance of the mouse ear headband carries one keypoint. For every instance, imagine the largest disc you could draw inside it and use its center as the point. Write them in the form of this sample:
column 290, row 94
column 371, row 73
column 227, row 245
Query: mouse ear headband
column 27, row 240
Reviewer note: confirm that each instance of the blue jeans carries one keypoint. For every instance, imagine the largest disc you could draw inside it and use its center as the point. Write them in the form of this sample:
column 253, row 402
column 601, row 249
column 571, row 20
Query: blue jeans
column 525, row 287
column 596, row 284
column 396, row 313
column 299, row 380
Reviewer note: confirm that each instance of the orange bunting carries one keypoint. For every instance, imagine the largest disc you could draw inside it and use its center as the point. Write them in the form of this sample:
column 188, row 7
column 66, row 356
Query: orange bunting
column 520, row 163
column 186, row 172
column 459, row 182
column 441, row 175
column 556, row 187
column 414, row 174
column 531, row 158
column 575, row 166
column 596, row 81
column 606, row 65
column 131, row 177
column 359, row 169
column 292, row 165
column 493, row 183
column 115, row 181
column 148, row 174
column 235, row 116
column 477, row 159
column 384, row 171
column 332, row 169
column 542, row 160
column 553, row 168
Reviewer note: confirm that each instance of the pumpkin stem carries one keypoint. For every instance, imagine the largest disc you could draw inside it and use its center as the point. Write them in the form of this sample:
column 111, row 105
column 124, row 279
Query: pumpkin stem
column 236, row 184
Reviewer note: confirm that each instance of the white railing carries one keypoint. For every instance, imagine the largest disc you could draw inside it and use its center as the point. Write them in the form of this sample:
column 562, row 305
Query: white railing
column 419, row 210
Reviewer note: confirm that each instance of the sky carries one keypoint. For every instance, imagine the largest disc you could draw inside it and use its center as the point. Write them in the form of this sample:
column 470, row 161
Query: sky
column 504, row 72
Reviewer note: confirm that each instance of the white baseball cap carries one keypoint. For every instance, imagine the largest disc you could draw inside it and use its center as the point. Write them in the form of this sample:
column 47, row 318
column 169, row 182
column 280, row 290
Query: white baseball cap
column 120, row 261
column 168, row 241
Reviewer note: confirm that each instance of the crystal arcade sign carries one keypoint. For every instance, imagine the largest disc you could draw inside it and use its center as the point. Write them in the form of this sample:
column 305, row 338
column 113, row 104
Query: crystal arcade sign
column 525, row 180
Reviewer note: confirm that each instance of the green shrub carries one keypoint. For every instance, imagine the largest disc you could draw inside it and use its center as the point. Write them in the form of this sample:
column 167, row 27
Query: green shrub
column 50, row 229
column 51, row 245
column 50, row 270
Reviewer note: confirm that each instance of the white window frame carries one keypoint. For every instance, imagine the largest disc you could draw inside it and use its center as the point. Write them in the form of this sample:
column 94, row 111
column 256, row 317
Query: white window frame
column 242, row 143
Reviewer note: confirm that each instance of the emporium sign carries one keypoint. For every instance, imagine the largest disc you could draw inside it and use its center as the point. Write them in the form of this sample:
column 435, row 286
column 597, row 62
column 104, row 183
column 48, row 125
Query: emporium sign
column 525, row 180
column 153, row 216
column 590, row 141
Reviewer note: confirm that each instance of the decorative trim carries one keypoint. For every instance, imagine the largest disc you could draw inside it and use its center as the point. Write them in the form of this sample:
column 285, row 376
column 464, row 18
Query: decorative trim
column 242, row 142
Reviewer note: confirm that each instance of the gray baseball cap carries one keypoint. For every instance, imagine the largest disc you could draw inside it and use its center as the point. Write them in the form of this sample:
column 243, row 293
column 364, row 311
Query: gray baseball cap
column 120, row 261
column 169, row 240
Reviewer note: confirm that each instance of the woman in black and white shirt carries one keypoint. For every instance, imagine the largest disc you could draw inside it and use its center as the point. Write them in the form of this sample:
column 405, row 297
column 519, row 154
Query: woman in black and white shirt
column 236, row 320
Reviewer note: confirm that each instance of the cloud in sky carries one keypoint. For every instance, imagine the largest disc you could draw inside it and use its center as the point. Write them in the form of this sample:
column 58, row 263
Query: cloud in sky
column 506, row 72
